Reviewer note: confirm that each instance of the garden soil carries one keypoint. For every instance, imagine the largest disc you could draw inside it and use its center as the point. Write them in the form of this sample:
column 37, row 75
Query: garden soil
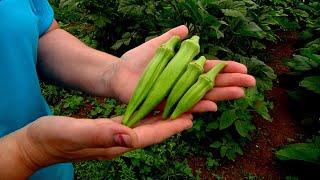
column 259, row 160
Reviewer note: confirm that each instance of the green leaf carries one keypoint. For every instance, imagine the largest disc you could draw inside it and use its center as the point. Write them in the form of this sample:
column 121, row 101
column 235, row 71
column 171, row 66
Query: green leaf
column 212, row 162
column 262, row 109
column 300, row 151
column 227, row 118
column 197, row 125
column 311, row 83
column 244, row 127
column 232, row 13
column 213, row 125
column 216, row 144
column 258, row 45
column 223, row 151
column 251, row 29
column 302, row 63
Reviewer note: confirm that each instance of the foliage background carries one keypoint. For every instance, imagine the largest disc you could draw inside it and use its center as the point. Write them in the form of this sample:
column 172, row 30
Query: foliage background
column 229, row 29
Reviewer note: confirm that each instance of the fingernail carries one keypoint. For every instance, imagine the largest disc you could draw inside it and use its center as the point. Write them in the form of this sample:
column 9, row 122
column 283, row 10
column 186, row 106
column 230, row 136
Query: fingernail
column 122, row 140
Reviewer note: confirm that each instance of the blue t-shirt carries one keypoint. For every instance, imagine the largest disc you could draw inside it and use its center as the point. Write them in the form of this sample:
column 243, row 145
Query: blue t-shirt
column 22, row 22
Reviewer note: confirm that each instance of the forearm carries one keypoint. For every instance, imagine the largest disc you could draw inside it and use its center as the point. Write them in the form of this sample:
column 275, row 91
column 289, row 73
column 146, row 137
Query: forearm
column 65, row 60
column 13, row 164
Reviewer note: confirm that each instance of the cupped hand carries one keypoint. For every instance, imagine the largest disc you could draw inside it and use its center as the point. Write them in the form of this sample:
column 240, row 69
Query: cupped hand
column 229, row 83
column 54, row 139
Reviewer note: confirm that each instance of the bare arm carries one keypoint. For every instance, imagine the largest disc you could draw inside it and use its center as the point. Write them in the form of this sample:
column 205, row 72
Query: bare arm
column 65, row 60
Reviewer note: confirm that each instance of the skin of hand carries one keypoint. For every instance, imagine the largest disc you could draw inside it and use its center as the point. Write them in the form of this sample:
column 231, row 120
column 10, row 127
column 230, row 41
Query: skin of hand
column 54, row 139
column 229, row 83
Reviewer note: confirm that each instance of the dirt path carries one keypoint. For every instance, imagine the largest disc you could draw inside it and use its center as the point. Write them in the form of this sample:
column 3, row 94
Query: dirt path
column 258, row 159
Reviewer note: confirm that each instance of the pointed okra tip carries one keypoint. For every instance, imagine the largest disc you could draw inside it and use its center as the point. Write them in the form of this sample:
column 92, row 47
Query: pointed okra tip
column 212, row 73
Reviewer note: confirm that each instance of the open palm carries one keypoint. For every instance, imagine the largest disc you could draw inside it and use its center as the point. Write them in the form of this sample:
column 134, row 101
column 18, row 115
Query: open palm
column 229, row 84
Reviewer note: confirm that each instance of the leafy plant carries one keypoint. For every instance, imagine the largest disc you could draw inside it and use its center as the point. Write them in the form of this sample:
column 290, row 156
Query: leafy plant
column 309, row 152
column 229, row 29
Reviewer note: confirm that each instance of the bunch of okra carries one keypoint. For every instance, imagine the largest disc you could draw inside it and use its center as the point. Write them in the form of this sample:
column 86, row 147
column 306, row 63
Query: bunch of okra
column 172, row 75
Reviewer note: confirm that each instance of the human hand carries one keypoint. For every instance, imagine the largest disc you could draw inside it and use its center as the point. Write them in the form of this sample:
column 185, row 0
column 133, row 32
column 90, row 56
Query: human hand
column 229, row 83
column 54, row 139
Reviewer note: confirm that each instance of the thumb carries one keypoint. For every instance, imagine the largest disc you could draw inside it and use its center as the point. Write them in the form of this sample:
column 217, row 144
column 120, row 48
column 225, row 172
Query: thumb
column 104, row 133
column 75, row 134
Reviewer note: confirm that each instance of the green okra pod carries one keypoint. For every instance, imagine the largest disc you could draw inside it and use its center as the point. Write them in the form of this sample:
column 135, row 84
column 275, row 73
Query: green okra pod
column 197, row 91
column 189, row 77
column 162, row 56
column 188, row 50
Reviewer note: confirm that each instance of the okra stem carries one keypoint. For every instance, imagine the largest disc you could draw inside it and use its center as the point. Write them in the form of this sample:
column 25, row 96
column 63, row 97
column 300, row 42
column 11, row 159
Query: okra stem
column 162, row 56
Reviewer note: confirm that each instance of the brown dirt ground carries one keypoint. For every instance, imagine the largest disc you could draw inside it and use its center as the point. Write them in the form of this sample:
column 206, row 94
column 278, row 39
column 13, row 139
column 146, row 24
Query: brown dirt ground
column 258, row 159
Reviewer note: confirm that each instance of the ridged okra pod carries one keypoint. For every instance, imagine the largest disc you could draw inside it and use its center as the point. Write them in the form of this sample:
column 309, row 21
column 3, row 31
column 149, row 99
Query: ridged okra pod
column 188, row 50
column 189, row 77
column 161, row 58
column 197, row 91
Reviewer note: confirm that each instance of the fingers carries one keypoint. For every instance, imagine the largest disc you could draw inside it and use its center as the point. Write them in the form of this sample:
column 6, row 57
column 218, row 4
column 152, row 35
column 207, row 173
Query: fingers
column 224, row 93
column 205, row 106
column 181, row 31
column 232, row 66
column 155, row 131
column 145, row 51
column 234, row 79
column 160, row 130
column 102, row 134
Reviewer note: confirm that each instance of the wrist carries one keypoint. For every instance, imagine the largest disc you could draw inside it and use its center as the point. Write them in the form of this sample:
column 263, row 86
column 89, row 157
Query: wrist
column 15, row 163
column 110, row 78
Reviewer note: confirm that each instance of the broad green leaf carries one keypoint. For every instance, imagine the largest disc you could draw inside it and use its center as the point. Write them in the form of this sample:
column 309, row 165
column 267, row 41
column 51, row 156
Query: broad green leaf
column 216, row 144
column 197, row 125
column 213, row 125
column 300, row 151
column 262, row 109
column 232, row 13
column 244, row 127
column 117, row 44
column 223, row 151
column 227, row 118
column 219, row 34
column 311, row 83
column 251, row 94
column 251, row 29
column 301, row 63
column 258, row 45
column 212, row 162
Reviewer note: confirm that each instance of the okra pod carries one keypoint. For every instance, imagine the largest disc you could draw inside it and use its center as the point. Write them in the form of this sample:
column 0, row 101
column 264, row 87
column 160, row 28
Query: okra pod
column 188, row 50
column 162, row 56
column 197, row 91
column 189, row 77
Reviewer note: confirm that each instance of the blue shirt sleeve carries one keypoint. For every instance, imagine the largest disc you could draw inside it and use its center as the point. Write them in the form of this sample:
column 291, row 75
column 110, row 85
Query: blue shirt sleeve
column 44, row 12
